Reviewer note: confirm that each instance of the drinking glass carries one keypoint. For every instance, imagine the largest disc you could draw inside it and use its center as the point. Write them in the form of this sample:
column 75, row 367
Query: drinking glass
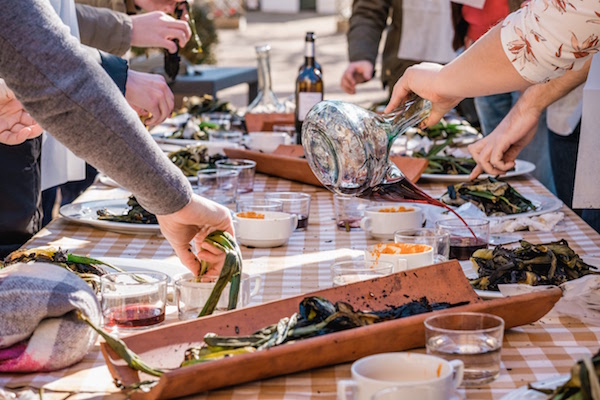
column 259, row 205
column 293, row 203
column 348, row 211
column 246, row 168
column 191, row 296
column 437, row 238
column 132, row 301
column 344, row 272
column 462, row 242
column 218, row 185
column 289, row 129
column 225, row 136
column 473, row 338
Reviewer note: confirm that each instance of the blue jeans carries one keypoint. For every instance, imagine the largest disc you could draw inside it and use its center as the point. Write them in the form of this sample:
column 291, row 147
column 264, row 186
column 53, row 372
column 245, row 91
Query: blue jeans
column 492, row 109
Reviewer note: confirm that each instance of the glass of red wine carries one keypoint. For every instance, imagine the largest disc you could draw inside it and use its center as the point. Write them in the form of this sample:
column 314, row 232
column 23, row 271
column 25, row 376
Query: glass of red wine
column 465, row 239
column 293, row 203
column 133, row 300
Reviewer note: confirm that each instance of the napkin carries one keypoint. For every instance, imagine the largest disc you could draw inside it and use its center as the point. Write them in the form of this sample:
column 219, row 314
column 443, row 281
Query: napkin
column 39, row 328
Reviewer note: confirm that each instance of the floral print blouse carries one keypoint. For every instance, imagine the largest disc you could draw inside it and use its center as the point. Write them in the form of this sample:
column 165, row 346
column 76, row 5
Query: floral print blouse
column 548, row 37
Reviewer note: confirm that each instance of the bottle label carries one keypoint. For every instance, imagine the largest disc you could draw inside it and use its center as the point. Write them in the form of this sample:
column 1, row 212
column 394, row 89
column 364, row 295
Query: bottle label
column 306, row 101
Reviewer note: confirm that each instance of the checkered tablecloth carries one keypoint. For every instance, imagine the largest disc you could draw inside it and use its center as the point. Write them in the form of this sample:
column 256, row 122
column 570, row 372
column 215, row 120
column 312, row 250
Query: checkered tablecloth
column 530, row 353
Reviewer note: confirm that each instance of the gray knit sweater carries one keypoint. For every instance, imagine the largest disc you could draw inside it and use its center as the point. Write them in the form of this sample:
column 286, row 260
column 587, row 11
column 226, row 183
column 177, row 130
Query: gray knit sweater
column 69, row 94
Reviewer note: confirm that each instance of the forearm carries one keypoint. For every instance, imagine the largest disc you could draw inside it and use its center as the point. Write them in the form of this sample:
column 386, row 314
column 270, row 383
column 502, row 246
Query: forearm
column 72, row 97
column 539, row 97
column 482, row 70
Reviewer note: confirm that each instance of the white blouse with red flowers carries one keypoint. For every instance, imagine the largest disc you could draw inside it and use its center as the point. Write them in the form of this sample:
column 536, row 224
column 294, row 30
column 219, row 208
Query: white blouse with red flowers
column 548, row 37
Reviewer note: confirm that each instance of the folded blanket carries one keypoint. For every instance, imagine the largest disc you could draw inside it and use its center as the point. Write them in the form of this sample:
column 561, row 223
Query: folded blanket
column 39, row 328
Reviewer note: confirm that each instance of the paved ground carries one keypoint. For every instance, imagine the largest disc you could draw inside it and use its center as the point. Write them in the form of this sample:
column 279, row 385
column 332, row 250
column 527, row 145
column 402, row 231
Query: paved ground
column 285, row 33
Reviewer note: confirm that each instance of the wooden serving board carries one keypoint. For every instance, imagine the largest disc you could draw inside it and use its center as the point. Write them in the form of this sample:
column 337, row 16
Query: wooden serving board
column 288, row 162
column 165, row 347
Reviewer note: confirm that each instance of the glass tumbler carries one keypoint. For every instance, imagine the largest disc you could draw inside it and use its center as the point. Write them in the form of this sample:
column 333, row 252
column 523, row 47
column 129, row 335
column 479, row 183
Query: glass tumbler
column 462, row 242
column 437, row 238
column 348, row 211
column 218, row 185
column 132, row 301
column 246, row 169
column 259, row 205
column 344, row 272
column 293, row 203
column 473, row 338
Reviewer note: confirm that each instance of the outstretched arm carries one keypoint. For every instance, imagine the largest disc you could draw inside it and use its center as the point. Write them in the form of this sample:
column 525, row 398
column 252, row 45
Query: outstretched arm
column 496, row 153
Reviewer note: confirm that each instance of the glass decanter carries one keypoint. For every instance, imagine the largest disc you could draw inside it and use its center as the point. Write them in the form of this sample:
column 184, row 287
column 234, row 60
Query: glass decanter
column 347, row 148
column 266, row 101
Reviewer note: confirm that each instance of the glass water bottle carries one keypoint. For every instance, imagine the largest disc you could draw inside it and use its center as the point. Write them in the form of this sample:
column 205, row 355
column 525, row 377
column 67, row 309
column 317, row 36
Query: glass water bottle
column 266, row 101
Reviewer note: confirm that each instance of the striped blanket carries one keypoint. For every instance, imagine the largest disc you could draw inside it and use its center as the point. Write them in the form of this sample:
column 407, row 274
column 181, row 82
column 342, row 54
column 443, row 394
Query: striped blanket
column 39, row 330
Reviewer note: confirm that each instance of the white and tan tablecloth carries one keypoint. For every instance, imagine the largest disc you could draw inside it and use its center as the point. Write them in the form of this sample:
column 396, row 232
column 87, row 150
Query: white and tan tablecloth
column 530, row 353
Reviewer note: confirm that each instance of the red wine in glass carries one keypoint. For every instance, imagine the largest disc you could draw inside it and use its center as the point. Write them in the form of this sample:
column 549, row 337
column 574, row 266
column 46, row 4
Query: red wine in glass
column 302, row 221
column 462, row 248
column 134, row 316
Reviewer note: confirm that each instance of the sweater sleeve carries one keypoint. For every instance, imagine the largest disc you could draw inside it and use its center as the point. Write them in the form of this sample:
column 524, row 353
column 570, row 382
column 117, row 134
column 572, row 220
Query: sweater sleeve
column 546, row 38
column 71, row 96
column 368, row 20
column 104, row 29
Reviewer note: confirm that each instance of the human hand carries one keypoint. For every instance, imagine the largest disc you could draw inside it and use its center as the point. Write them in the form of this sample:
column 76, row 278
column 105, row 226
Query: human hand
column 16, row 125
column 149, row 94
column 357, row 72
column 496, row 153
column 194, row 222
column 157, row 29
column 167, row 6
column 425, row 80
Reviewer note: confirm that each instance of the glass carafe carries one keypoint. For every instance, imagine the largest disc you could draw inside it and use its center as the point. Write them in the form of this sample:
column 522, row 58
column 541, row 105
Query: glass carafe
column 347, row 147
column 265, row 101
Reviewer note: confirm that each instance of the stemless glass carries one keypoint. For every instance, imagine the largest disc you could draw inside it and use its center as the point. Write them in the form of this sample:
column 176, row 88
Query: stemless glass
column 246, row 169
column 473, row 338
column 131, row 301
column 259, row 205
column 344, row 272
column 462, row 242
column 348, row 211
column 218, row 185
column 293, row 203
column 437, row 238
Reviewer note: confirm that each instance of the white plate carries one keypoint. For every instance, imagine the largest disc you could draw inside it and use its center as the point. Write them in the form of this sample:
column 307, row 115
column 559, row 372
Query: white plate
column 522, row 167
column 85, row 213
column 544, row 204
column 467, row 267
column 524, row 393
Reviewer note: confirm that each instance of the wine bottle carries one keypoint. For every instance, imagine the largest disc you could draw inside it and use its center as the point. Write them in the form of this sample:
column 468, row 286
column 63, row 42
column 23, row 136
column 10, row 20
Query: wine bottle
column 317, row 65
column 309, row 85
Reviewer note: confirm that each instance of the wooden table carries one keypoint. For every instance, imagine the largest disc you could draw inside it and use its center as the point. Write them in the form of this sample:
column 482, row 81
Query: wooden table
column 530, row 353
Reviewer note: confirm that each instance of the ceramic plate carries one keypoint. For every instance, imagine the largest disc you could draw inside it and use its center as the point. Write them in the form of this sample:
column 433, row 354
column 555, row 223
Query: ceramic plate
column 544, row 204
column 522, row 167
column 524, row 393
column 467, row 267
column 85, row 213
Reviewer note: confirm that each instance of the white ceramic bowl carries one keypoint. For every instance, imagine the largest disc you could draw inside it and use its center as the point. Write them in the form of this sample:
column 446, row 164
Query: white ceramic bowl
column 403, row 262
column 382, row 225
column 271, row 231
column 267, row 142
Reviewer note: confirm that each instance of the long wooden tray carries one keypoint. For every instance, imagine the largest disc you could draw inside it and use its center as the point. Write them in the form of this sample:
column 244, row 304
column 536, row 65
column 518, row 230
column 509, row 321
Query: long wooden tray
column 164, row 347
column 288, row 162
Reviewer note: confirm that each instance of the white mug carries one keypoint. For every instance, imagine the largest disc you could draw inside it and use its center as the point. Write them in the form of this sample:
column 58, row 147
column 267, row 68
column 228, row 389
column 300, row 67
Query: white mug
column 272, row 230
column 402, row 261
column 267, row 142
column 382, row 224
column 409, row 372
